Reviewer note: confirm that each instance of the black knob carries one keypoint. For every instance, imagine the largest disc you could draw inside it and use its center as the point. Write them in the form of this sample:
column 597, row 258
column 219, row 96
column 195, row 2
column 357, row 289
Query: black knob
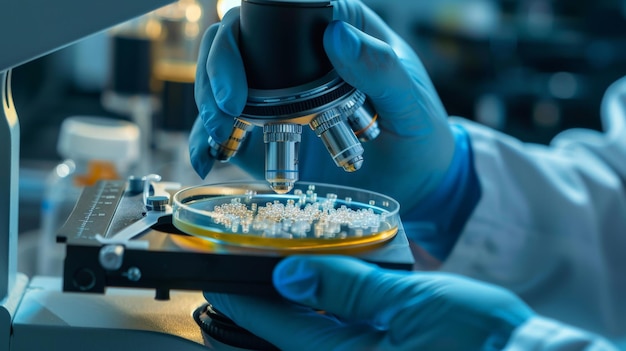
column 84, row 279
column 219, row 327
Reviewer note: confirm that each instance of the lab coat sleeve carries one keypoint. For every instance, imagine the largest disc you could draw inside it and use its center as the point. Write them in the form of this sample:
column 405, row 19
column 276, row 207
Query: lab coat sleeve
column 542, row 334
column 551, row 223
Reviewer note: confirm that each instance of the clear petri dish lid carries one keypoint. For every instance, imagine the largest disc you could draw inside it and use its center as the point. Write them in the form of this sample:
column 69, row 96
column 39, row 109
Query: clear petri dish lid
column 313, row 217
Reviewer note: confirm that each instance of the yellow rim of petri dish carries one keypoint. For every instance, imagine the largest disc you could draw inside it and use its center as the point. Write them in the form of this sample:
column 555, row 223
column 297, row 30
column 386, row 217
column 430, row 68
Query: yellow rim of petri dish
column 219, row 236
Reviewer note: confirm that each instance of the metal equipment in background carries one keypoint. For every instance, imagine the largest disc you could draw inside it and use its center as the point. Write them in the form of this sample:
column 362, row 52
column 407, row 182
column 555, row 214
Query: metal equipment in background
column 530, row 68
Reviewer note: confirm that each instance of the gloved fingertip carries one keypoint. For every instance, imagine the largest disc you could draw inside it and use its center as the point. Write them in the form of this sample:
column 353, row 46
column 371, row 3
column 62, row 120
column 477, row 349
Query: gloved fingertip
column 201, row 164
column 341, row 42
column 198, row 169
column 202, row 171
column 221, row 97
column 231, row 104
column 217, row 127
column 204, row 111
column 296, row 280
column 198, row 148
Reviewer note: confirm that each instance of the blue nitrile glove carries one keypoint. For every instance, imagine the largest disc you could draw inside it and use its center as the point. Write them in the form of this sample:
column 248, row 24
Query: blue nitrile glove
column 369, row 308
column 418, row 159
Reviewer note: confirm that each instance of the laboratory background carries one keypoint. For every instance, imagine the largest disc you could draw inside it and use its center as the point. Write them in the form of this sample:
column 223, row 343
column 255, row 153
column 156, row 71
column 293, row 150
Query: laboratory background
column 530, row 68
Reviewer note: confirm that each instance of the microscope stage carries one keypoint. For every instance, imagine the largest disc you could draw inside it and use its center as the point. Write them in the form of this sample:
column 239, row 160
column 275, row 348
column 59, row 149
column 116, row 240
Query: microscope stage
column 163, row 257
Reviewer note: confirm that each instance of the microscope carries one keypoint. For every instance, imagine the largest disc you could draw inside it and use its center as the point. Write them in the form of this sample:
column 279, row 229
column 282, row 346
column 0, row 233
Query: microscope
column 125, row 242
column 292, row 83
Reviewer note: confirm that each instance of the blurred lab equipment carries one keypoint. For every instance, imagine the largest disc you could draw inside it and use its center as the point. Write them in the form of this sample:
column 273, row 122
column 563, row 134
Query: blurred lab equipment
column 93, row 149
column 151, row 80
column 530, row 68
column 130, row 90
column 175, row 59
column 224, row 5
column 176, row 52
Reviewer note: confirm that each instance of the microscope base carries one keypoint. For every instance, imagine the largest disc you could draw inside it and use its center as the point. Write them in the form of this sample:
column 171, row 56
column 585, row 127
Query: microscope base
column 122, row 319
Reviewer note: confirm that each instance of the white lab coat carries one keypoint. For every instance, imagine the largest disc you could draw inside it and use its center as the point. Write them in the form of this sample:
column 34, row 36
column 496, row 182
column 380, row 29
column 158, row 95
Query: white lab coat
column 551, row 223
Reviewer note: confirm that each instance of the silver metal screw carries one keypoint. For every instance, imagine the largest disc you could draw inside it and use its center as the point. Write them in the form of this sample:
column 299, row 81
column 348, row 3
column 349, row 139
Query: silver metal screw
column 111, row 257
column 133, row 274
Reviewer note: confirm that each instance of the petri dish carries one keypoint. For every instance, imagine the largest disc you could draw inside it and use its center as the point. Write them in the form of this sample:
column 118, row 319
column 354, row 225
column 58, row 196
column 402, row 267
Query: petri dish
column 312, row 217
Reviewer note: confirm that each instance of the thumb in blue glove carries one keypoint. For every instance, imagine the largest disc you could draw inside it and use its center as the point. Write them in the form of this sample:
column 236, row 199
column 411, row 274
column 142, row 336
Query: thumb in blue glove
column 369, row 308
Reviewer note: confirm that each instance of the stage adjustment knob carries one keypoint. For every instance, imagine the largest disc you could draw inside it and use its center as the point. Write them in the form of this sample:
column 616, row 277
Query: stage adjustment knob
column 217, row 326
column 157, row 203
column 111, row 257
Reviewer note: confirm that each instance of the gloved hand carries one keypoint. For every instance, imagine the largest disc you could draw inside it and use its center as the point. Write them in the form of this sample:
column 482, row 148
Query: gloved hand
column 369, row 308
column 418, row 158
